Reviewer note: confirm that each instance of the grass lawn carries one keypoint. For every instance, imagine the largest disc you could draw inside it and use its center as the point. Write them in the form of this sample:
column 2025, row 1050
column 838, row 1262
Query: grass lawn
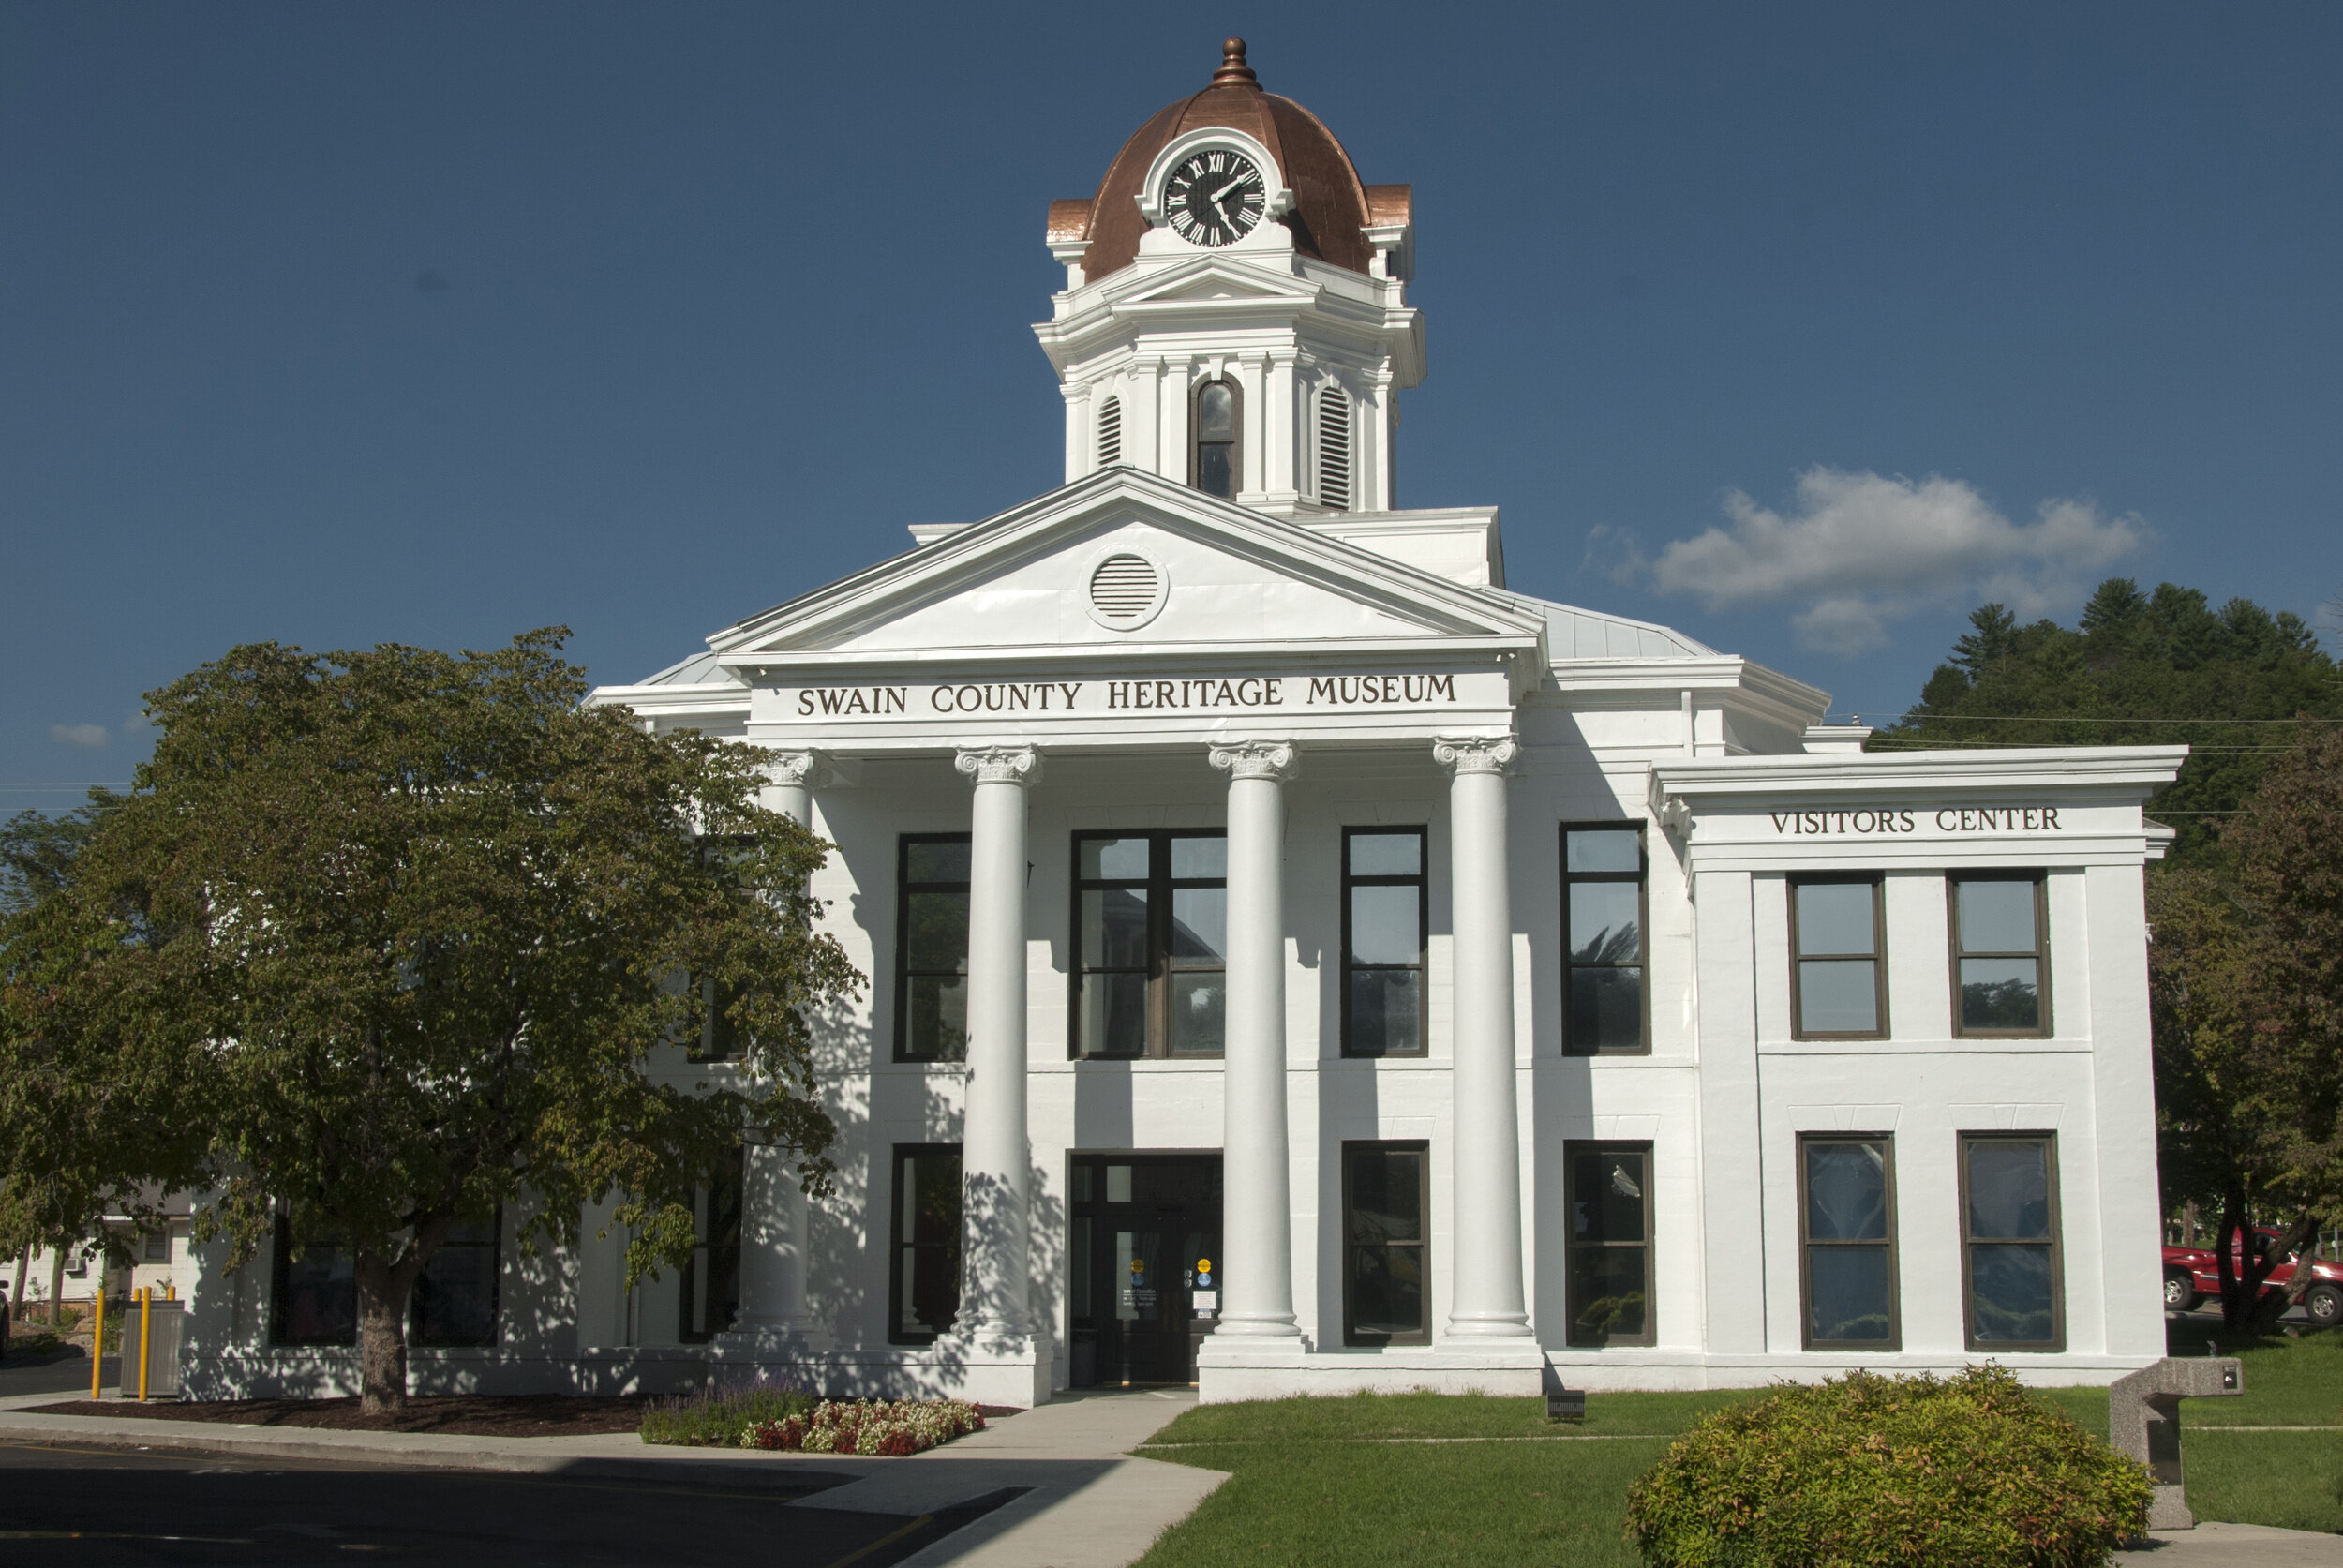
column 1317, row 1480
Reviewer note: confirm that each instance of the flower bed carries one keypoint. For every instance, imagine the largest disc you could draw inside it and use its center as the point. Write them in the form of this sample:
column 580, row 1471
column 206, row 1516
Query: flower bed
column 874, row 1427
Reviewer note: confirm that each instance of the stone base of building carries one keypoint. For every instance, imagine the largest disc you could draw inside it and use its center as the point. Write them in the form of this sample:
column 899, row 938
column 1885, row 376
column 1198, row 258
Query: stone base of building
column 1626, row 1370
column 1227, row 1369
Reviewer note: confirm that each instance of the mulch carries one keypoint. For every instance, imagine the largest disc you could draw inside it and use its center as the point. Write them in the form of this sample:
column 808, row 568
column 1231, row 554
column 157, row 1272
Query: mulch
column 474, row 1415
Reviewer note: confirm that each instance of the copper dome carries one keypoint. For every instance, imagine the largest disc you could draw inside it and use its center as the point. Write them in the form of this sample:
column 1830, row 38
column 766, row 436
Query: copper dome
column 1330, row 205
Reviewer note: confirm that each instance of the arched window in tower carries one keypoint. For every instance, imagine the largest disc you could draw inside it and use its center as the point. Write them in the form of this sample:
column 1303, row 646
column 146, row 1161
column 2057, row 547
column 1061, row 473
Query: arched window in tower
column 1334, row 448
column 1213, row 466
column 1109, row 432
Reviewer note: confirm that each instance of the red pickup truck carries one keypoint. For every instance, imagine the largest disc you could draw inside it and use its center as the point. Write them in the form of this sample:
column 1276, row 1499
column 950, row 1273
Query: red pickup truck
column 2192, row 1274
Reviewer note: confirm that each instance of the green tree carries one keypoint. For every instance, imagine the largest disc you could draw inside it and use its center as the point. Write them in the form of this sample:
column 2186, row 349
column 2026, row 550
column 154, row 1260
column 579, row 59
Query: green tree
column 411, row 935
column 61, row 1169
column 2248, row 970
column 2138, row 669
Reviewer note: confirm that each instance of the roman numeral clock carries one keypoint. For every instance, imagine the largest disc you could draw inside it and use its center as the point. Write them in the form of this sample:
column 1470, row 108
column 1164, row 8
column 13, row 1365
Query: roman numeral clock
column 1215, row 198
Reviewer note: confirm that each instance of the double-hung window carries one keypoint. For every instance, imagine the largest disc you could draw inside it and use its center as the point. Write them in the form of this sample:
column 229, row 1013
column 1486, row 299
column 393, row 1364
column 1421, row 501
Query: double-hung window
column 1839, row 987
column 711, row 1294
column 1609, row 1195
column 313, row 1290
column 932, row 947
column 1846, row 1215
column 1216, row 466
column 2000, row 955
column 1383, row 915
column 1151, row 938
column 1605, row 1009
column 1386, row 1292
column 2013, row 1288
column 455, row 1294
column 923, row 1277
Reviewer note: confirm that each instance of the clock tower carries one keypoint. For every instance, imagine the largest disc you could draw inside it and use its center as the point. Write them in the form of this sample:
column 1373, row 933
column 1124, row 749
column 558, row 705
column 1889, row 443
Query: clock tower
column 1234, row 315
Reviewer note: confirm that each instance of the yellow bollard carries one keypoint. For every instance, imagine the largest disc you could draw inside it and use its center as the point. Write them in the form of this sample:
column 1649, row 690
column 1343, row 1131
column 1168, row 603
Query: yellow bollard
column 98, row 1340
column 146, row 1316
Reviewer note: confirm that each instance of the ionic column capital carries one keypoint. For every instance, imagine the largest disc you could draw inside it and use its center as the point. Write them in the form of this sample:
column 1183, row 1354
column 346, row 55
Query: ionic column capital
column 1017, row 765
column 797, row 770
column 1477, row 754
column 1255, row 759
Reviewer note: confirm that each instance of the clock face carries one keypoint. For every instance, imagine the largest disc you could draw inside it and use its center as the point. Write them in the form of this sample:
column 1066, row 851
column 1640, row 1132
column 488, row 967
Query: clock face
column 1215, row 198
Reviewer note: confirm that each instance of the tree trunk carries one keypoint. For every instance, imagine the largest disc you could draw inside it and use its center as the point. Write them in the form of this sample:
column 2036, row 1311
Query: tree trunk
column 56, row 1282
column 23, row 1266
column 383, row 1288
column 2296, row 1243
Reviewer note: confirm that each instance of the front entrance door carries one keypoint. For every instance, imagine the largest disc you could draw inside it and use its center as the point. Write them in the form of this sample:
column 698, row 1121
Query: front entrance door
column 1146, row 1260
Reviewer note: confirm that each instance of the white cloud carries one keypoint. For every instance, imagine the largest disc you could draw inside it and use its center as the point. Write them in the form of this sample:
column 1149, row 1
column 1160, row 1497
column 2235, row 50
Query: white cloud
column 135, row 721
column 89, row 738
column 1857, row 551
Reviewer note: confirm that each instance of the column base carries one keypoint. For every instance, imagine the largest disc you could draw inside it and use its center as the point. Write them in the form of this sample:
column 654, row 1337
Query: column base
column 1230, row 1369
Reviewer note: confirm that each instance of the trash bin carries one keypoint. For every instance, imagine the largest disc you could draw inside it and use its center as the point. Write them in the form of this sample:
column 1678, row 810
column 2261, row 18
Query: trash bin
column 165, row 1322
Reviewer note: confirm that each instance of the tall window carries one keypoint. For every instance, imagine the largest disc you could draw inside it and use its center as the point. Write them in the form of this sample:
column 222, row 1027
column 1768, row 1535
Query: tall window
column 923, row 1280
column 719, row 1037
column 456, row 1295
column 1151, row 938
column 1846, row 1208
column 2000, row 955
column 932, row 947
column 1215, row 463
column 1386, row 1292
column 2010, row 1242
column 314, row 1294
column 1109, row 432
column 1842, row 986
column 1383, row 915
column 1334, row 448
column 711, row 1279
column 1604, row 1007
column 1609, row 1192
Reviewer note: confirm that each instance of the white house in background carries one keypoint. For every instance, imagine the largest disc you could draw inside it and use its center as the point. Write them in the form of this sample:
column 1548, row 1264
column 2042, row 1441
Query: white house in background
column 1303, row 963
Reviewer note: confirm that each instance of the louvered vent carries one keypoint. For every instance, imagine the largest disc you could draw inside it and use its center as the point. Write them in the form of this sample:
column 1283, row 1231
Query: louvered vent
column 1334, row 449
column 1124, row 590
column 1109, row 432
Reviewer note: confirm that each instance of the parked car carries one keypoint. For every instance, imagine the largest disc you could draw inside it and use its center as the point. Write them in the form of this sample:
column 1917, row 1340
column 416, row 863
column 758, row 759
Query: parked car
column 2192, row 1274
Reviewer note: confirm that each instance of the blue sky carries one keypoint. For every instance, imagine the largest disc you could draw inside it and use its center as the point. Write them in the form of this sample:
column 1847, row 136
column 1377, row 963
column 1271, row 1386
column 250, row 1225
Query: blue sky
column 1801, row 328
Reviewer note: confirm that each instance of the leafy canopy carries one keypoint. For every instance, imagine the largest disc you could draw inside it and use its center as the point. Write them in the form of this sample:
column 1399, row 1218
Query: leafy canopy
column 2132, row 663
column 404, row 932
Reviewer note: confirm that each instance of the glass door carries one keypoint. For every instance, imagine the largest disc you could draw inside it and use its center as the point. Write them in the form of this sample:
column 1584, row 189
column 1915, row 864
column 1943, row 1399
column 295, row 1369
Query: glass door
column 1146, row 1285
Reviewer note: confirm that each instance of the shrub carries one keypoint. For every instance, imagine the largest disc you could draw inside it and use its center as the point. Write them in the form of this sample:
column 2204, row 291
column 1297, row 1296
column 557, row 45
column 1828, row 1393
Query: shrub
column 721, row 1416
column 1868, row 1470
column 903, row 1427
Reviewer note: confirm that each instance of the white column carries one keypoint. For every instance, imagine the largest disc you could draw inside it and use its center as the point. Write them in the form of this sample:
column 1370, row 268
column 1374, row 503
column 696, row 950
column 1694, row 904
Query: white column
column 773, row 1228
column 1256, row 1221
column 994, row 1299
column 1488, row 1302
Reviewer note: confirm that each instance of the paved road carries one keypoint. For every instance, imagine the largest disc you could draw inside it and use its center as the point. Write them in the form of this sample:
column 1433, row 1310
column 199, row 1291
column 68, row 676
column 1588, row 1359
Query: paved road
column 65, row 1375
column 62, row 1506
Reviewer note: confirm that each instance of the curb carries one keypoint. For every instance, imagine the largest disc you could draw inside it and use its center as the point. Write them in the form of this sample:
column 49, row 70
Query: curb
column 710, row 1466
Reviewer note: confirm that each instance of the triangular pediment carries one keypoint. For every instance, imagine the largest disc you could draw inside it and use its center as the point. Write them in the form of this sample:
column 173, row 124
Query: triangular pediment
column 1213, row 278
column 1022, row 582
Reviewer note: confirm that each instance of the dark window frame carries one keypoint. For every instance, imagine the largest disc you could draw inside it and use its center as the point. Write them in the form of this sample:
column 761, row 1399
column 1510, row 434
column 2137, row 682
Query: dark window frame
column 1422, row 1245
column 1423, row 882
column 719, row 1037
column 904, row 888
column 1196, row 443
column 1806, row 1243
column 2055, row 1225
column 1160, row 885
column 896, row 1243
column 280, row 1265
column 2040, row 953
column 1876, row 958
column 1650, row 1246
column 494, row 1245
column 1642, row 878
column 714, row 1259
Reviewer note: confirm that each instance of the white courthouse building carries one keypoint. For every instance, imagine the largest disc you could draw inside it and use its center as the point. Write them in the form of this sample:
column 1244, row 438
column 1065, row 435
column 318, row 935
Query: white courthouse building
column 1302, row 963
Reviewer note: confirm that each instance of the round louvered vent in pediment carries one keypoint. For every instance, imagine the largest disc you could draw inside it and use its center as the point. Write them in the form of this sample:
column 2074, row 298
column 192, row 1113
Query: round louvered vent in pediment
column 1125, row 590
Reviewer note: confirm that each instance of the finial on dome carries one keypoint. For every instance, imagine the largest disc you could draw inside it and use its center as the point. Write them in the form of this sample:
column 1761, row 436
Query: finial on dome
column 1233, row 71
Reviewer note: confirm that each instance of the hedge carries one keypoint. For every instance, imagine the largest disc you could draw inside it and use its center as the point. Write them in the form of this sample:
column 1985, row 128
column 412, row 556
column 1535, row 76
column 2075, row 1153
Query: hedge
column 1868, row 1470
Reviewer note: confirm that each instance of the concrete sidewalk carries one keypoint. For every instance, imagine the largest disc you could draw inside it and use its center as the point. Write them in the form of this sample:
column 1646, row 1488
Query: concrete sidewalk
column 1085, row 1502
column 2219, row 1545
